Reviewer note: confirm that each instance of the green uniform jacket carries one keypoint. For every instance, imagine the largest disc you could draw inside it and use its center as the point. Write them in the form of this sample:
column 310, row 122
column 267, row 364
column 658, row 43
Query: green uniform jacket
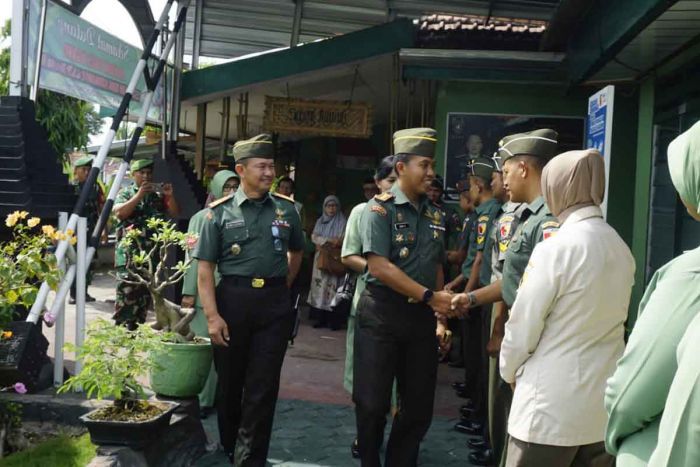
column 352, row 245
column 678, row 444
column 412, row 239
column 536, row 224
column 250, row 238
column 189, row 282
column 486, row 215
column 152, row 205
column 504, row 229
column 638, row 390
column 468, row 237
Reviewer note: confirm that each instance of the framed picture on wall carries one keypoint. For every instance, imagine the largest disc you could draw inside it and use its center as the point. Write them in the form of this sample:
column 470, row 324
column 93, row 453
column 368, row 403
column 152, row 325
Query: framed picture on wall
column 472, row 135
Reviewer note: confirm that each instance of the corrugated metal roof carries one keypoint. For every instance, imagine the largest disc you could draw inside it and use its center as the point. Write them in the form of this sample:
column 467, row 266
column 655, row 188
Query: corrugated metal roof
column 231, row 29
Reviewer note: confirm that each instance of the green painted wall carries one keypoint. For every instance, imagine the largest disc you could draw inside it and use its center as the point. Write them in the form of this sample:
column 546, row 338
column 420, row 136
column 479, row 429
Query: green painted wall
column 549, row 100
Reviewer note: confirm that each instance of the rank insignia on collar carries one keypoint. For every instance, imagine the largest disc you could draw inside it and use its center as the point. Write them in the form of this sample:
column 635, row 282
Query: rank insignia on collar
column 386, row 196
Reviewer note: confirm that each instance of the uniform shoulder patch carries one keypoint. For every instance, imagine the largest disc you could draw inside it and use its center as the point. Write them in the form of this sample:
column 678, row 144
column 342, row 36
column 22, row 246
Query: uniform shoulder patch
column 287, row 198
column 378, row 209
column 386, row 196
column 550, row 225
column 220, row 201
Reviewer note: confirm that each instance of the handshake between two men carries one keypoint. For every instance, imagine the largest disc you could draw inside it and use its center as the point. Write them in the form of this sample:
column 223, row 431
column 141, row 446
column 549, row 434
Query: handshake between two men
column 447, row 304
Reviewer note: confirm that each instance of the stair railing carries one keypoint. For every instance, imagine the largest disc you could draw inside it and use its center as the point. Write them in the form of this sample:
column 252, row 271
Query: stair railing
column 63, row 247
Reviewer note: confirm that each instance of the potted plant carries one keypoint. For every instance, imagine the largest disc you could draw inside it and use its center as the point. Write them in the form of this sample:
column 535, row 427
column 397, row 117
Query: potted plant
column 114, row 360
column 25, row 262
column 184, row 360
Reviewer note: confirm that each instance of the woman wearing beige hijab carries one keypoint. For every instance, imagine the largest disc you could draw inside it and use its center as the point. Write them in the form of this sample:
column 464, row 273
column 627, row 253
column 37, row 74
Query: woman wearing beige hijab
column 566, row 327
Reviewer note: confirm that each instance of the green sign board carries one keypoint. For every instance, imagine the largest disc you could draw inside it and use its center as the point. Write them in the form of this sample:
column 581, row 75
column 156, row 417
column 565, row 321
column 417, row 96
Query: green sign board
column 83, row 61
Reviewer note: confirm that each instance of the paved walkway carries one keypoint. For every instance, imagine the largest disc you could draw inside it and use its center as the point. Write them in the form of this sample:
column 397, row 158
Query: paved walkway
column 314, row 422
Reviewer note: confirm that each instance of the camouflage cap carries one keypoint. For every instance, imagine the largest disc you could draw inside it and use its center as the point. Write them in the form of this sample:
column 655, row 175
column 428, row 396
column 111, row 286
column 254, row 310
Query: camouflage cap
column 83, row 161
column 260, row 146
column 416, row 141
column 140, row 164
column 483, row 167
column 541, row 143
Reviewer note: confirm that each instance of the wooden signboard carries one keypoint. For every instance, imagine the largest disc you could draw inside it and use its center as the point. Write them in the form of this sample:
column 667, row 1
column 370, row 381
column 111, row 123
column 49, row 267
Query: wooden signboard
column 317, row 118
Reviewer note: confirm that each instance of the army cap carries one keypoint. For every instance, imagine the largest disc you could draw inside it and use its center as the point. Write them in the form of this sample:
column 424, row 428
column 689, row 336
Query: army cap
column 483, row 167
column 83, row 161
column 542, row 143
column 260, row 146
column 416, row 141
column 141, row 164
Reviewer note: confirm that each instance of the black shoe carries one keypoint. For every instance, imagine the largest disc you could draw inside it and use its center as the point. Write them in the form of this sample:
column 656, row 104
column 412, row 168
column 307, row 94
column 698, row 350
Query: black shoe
column 468, row 404
column 88, row 299
column 355, row 449
column 481, row 457
column 320, row 324
column 71, row 301
column 466, row 412
column 469, row 427
column 478, row 444
column 458, row 386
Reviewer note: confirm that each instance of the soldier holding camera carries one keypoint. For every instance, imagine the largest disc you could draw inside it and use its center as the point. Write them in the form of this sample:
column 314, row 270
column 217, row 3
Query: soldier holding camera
column 134, row 205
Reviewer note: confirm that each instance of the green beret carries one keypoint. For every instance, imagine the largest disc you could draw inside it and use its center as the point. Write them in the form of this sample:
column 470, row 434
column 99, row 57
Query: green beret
column 483, row 167
column 260, row 146
column 416, row 141
column 139, row 164
column 539, row 143
column 83, row 161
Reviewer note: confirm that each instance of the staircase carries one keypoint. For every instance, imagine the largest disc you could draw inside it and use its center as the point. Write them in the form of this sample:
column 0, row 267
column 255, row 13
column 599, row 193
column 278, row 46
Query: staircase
column 31, row 177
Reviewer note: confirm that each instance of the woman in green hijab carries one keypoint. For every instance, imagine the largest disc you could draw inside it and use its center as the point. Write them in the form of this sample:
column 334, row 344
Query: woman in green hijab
column 637, row 392
column 224, row 183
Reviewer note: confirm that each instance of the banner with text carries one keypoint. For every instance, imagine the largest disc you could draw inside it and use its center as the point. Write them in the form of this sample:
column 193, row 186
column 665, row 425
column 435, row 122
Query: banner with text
column 317, row 118
column 599, row 129
column 83, row 61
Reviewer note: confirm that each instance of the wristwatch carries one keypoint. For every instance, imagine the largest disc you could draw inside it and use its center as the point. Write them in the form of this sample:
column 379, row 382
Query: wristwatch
column 427, row 295
column 472, row 299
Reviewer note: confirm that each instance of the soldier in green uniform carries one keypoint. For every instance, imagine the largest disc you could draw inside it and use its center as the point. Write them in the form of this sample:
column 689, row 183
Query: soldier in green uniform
column 134, row 205
column 522, row 157
column 224, row 183
column 254, row 237
column 488, row 198
column 91, row 210
column 395, row 336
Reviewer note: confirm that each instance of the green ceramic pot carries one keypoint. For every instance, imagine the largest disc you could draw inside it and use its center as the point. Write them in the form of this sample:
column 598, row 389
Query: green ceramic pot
column 184, row 369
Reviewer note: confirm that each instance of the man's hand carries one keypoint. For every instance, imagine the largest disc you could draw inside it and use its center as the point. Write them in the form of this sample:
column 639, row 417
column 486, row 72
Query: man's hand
column 218, row 331
column 494, row 346
column 444, row 338
column 187, row 301
column 167, row 189
column 452, row 286
column 144, row 189
column 460, row 303
column 441, row 302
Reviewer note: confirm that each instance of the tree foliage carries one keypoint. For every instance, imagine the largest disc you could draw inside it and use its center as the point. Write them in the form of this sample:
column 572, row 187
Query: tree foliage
column 68, row 121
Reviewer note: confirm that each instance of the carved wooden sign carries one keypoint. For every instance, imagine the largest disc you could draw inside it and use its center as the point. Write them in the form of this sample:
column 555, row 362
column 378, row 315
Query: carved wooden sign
column 317, row 118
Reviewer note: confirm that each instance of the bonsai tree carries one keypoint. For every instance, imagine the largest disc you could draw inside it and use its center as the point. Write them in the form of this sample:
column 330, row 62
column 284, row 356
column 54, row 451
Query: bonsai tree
column 147, row 264
column 114, row 360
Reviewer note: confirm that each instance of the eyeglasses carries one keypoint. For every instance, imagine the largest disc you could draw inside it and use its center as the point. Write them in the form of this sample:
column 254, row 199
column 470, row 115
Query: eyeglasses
column 228, row 187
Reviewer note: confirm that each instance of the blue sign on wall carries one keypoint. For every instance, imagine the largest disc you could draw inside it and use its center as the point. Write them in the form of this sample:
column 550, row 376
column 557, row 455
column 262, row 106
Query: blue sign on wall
column 599, row 129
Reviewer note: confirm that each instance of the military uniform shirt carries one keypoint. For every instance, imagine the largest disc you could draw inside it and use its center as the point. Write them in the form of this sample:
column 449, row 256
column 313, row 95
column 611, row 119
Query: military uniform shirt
column 92, row 207
column 502, row 233
column 250, row 238
column 469, row 238
column 486, row 215
column 453, row 226
column 151, row 205
column 413, row 239
column 536, row 224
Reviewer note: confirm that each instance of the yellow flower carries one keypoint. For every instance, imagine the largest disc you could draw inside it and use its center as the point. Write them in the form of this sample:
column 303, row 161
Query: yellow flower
column 69, row 232
column 59, row 235
column 73, row 240
column 7, row 334
column 48, row 230
column 12, row 219
column 33, row 222
column 23, row 214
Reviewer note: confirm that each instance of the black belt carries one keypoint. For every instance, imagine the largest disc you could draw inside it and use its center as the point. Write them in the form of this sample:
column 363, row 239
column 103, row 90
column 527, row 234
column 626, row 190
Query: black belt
column 385, row 293
column 255, row 282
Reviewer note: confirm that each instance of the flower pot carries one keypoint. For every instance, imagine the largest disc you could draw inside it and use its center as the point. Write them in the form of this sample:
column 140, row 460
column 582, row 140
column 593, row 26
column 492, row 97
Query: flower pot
column 184, row 368
column 135, row 434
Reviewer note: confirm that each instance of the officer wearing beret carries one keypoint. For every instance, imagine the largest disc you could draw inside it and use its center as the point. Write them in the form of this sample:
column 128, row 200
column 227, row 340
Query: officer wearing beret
column 134, row 205
column 254, row 237
column 403, row 241
column 522, row 157
column 91, row 210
